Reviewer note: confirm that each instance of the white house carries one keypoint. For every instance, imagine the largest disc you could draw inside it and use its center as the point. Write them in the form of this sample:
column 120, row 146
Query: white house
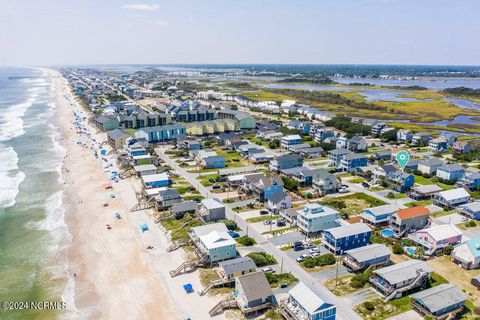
column 452, row 198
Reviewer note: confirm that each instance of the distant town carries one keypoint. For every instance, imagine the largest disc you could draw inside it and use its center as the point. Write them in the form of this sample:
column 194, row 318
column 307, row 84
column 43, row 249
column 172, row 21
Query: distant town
column 289, row 202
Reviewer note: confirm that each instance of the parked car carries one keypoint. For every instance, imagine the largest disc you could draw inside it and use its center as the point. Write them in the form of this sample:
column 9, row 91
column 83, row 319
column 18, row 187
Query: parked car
column 316, row 254
column 216, row 186
column 281, row 222
column 313, row 250
column 309, row 246
column 297, row 246
column 268, row 222
column 365, row 185
column 302, row 258
column 263, row 212
column 233, row 234
column 212, row 180
column 343, row 190
column 268, row 269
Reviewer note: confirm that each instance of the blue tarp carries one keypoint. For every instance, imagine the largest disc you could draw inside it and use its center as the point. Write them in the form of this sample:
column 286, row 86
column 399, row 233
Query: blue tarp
column 188, row 288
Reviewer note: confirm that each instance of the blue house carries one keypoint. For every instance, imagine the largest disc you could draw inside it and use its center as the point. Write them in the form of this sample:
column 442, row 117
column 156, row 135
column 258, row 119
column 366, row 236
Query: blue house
column 156, row 180
column 451, row 171
column 470, row 180
column 350, row 162
column 400, row 181
column 291, row 140
column 213, row 162
column 378, row 216
column 439, row 301
column 338, row 240
column 335, row 156
column 299, row 125
column 470, row 210
column 303, row 303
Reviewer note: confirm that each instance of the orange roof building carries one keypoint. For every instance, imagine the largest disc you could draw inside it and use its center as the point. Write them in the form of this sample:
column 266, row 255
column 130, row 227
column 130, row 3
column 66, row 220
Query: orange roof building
column 412, row 212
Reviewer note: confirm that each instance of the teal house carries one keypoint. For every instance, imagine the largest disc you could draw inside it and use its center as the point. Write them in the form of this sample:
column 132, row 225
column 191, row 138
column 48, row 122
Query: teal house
column 213, row 243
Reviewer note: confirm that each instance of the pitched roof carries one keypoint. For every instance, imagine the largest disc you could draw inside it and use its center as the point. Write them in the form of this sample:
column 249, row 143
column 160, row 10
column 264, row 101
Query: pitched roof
column 454, row 194
column 308, row 299
column 431, row 162
column 255, row 286
column 277, row 196
column 412, row 212
column 201, row 230
column 474, row 246
column 472, row 206
column 442, row 232
column 369, row 252
column 380, row 210
column 155, row 177
column 117, row 133
column 237, row 265
column 451, row 167
column 339, row 151
column 184, row 206
column 212, row 204
column 217, row 239
column 428, row 188
column 440, row 297
column 403, row 271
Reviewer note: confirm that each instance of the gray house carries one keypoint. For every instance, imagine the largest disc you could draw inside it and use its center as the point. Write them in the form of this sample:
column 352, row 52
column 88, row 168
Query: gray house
column 166, row 198
column 232, row 268
column 286, row 161
column 211, row 210
column 442, row 301
column 252, row 292
column 179, row 209
column 429, row 166
column 408, row 220
column 372, row 255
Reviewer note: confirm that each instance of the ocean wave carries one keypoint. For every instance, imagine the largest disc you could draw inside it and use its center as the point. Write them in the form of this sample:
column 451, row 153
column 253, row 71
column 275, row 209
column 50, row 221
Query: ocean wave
column 10, row 176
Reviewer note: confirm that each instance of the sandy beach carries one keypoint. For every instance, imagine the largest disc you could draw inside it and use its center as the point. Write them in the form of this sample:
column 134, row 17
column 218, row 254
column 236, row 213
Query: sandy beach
column 115, row 276
column 113, row 280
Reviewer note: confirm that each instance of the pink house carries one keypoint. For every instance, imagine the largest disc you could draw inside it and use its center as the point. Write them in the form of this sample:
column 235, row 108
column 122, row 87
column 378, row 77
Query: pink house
column 437, row 238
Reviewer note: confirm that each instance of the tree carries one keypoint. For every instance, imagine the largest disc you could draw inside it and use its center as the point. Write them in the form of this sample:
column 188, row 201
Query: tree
column 397, row 249
column 391, row 195
column 290, row 184
column 274, row 144
column 230, row 224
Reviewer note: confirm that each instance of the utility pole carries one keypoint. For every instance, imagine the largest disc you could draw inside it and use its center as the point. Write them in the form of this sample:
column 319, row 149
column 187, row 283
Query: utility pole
column 281, row 266
column 336, row 274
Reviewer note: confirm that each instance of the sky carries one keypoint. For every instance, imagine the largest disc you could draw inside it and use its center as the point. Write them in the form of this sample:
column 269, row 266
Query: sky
column 66, row 32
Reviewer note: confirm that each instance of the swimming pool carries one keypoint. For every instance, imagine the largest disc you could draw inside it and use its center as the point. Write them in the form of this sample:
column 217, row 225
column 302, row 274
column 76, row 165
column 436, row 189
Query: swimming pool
column 387, row 233
column 410, row 250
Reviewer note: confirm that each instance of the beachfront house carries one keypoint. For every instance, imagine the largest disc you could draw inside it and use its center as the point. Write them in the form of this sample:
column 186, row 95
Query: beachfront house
column 451, row 172
column 230, row 269
column 213, row 242
column 467, row 254
column 437, row 238
column 393, row 281
column 314, row 218
column 340, row 239
column 135, row 148
column 145, row 169
column 404, row 221
column 378, row 216
column 165, row 198
column 470, row 181
column 116, row 138
column 211, row 210
column 335, row 156
column 452, row 198
column 357, row 144
column 107, row 123
column 374, row 255
column 470, row 210
column 155, row 180
column 438, row 145
column 444, row 301
column 279, row 200
column 161, row 133
column 424, row 192
column 286, row 161
column 429, row 166
column 253, row 292
column 143, row 159
column 404, row 135
column 350, row 162
column 304, row 304
column 179, row 209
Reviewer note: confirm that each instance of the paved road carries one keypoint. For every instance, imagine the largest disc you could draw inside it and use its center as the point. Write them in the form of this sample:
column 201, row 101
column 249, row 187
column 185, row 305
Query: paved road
column 344, row 309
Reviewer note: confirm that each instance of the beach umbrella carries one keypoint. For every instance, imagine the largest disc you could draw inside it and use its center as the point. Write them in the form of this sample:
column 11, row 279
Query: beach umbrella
column 144, row 227
column 103, row 152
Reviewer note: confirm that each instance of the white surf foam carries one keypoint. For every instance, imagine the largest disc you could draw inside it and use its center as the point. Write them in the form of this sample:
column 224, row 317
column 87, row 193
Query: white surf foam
column 10, row 176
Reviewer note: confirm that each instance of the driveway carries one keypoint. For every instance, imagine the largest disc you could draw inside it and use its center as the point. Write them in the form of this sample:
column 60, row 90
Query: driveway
column 453, row 218
column 362, row 295
column 286, row 238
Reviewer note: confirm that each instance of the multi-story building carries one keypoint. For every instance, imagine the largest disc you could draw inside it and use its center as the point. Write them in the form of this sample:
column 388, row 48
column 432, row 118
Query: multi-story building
column 314, row 218
column 351, row 236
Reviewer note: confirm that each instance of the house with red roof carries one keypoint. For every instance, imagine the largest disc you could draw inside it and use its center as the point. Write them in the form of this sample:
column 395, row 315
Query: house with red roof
column 405, row 221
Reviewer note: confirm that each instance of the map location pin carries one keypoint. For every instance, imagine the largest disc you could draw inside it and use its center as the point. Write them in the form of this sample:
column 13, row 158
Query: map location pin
column 402, row 158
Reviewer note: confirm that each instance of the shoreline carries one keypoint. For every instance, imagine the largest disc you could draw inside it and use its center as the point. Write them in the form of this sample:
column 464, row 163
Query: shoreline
column 111, row 275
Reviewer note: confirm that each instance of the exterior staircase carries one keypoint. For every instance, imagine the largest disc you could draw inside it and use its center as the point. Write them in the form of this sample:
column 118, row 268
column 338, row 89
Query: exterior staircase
column 421, row 276
column 222, row 305
column 187, row 266
column 215, row 283
column 175, row 245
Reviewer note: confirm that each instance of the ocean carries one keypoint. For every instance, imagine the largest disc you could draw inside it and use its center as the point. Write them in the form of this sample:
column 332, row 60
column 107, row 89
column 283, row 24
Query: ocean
column 33, row 233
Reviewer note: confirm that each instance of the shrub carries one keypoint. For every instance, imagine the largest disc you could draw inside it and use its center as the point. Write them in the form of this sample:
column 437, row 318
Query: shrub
column 369, row 305
column 391, row 195
column 470, row 224
column 417, row 172
column 426, row 175
column 246, row 241
column 262, row 258
column 309, row 195
column 448, row 249
column 230, row 224
column 325, row 260
column 397, row 249
column 309, row 263
column 361, row 279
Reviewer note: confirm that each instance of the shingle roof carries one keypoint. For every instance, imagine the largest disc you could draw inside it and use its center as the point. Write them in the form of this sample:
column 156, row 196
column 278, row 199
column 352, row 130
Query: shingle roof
column 442, row 232
column 255, row 286
column 339, row 151
column 184, row 206
column 428, row 188
column 237, row 265
column 369, row 252
column 201, row 230
column 440, row 297
column 277, row 196
column 412, row 212
column 454, row 194
column 451, row 167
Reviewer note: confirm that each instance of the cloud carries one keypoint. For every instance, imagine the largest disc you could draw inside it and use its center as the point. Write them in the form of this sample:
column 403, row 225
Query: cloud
column 141, row 6
column 161, row 22
column 191, row 18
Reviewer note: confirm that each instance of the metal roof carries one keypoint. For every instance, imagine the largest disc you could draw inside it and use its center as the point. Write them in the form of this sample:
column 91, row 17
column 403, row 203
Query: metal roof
column 201, row 230
column 308, row 299
column 454, row 194
column 370, row 252
column 237, row 265
column 403, row 271
column 210, row 204
column 440, row 297
column 349, row 230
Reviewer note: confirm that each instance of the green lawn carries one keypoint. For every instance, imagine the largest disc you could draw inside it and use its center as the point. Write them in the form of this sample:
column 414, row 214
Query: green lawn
column 419, row 203
column 204, row 179
column 352, row 204
column 425, row 181
column 262, row 218
column 379, row 310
